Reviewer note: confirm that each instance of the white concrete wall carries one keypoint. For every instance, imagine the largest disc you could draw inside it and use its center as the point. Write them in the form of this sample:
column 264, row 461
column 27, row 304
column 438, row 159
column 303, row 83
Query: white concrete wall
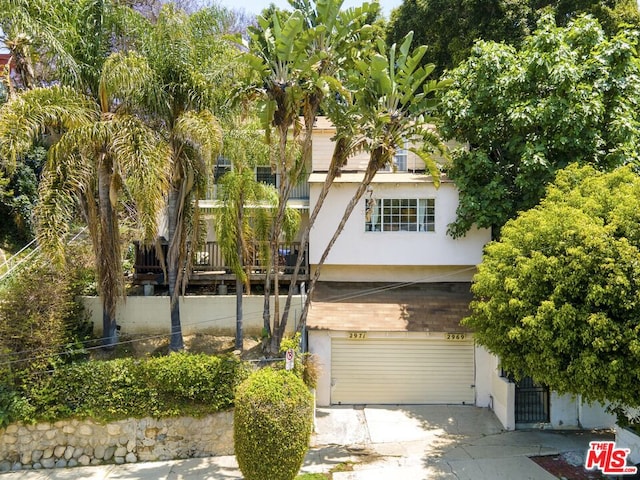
column 569, row 411
column 486, row 365
column 320, row 345
column 563, row 411
column 503, row 399
column 355, row 247
column 595, row 416
column 494, row 391
column 198, row 314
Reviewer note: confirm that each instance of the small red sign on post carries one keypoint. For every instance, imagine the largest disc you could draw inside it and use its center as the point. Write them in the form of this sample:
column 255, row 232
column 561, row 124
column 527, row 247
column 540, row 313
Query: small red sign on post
column 289, row 359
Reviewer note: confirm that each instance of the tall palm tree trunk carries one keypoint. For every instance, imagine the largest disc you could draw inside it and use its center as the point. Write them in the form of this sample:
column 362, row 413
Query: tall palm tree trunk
column 239, row 284
column 376, row 161
column 174, row 263
column 304, row 242
column 336, row 163
column 108, row 259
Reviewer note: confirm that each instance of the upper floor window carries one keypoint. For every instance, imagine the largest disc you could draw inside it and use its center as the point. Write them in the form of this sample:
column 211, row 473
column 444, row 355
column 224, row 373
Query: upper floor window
column 400, row 159
column 265, row 175
column 399, row 163
column 223, row 165
column 400, row 214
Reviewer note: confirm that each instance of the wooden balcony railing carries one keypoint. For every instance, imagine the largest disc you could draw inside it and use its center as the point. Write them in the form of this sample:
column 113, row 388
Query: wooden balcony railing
column 210, row 261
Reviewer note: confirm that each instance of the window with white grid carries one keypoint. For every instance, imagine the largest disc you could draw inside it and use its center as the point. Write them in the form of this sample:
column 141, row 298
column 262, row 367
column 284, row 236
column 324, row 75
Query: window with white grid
column 400, row 215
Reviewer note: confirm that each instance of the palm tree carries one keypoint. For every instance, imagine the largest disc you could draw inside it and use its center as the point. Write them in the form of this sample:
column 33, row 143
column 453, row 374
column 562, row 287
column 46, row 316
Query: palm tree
column 392, row 99
column 181, row 58
column 240, row 193
column 294, row 58
column 29, row 35
column 102, row 154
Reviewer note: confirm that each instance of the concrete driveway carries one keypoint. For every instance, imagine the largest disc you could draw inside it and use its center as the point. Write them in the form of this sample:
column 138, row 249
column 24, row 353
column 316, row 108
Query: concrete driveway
column 441, row 442
column 379, row 443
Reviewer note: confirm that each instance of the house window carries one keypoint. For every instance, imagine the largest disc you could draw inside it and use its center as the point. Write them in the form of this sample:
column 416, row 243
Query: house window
column 223, row 165
column 399, row 161
column 265, row 175
column 400, row 215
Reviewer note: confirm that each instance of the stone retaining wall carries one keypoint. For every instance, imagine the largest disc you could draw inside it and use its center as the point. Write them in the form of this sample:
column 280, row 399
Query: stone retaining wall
column 84, row 442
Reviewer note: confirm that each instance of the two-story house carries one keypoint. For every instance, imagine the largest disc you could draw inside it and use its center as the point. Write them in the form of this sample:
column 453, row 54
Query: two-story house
column 385, row 318
column 385, row 315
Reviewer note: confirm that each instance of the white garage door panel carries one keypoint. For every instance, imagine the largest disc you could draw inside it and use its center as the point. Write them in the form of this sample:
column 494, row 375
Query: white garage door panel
column 403, row 371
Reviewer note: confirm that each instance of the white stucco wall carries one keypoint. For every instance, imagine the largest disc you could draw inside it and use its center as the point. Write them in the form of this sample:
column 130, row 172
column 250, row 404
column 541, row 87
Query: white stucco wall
column 503, row 400
column 563, row 411
column 595, row 416
column 570, row 411
column 198, row 314
column 486, row 365
column 320, row 345
column 356, row 247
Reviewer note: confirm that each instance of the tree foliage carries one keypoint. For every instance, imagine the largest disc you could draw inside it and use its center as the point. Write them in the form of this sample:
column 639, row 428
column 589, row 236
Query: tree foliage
column 450, row 28
column 392, row 101
column 294, row 60
column 41, row 323
column 568, row 95
column 186, row 55
column 19, row 197
column 557, row 297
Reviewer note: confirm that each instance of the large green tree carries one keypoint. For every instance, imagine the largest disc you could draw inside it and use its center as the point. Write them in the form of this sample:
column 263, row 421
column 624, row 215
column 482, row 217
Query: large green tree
column 186, row 55
column 450, row 28
column 102, row 156
column 391, row 102
column 570, row 94
column 102, row 152
column 294, row 58
column 246, row 211
column 557, row 297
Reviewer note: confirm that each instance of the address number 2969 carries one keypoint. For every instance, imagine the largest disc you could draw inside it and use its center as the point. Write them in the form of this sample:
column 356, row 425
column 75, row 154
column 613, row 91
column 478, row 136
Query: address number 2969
column 455, row 336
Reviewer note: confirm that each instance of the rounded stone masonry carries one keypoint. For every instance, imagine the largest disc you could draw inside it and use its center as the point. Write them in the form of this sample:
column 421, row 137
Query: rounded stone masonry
column 70, row 443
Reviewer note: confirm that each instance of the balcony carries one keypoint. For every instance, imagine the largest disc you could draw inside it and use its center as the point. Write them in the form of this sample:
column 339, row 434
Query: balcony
column 298, row 192
column 209, row 265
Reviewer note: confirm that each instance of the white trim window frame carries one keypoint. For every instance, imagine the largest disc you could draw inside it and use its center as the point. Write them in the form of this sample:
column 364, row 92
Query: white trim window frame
column 401, row 159
column 400, row 215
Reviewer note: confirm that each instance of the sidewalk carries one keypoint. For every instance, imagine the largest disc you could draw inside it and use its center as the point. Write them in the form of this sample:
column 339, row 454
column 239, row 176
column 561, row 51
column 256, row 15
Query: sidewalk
column 379, row 443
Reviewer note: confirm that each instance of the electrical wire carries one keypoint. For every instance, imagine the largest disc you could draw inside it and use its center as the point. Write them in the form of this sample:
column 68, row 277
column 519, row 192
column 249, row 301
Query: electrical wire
column 248, row 315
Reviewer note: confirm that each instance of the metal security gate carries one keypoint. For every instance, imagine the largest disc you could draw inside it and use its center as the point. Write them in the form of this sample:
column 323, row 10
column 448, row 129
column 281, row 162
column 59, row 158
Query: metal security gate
column 532, row 402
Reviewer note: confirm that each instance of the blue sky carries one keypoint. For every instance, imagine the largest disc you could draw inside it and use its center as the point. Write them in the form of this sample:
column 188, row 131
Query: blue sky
column 256, row 6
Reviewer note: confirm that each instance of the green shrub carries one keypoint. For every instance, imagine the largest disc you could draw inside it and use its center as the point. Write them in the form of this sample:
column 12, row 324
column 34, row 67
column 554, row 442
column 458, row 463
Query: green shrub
column 178, row 384
column 41, row 324
column 272, row 425
column 305, row 365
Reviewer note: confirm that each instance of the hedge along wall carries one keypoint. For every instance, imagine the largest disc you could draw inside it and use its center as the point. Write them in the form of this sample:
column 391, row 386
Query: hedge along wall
column 68, row 443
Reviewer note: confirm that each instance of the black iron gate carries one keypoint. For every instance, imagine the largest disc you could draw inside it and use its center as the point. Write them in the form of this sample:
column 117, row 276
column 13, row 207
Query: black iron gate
column 532, row 402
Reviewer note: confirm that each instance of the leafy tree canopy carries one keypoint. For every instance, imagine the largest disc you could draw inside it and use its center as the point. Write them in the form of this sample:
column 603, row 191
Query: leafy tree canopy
column 570, row 94
column 557, row 297
column 450, row 28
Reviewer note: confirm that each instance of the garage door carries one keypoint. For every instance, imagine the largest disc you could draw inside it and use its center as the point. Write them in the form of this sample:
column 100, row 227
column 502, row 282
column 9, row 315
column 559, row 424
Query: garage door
column 402, row 371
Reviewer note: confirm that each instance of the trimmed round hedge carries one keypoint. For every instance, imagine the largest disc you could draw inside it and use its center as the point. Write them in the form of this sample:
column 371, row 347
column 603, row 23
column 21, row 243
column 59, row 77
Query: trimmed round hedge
column 273, row 419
